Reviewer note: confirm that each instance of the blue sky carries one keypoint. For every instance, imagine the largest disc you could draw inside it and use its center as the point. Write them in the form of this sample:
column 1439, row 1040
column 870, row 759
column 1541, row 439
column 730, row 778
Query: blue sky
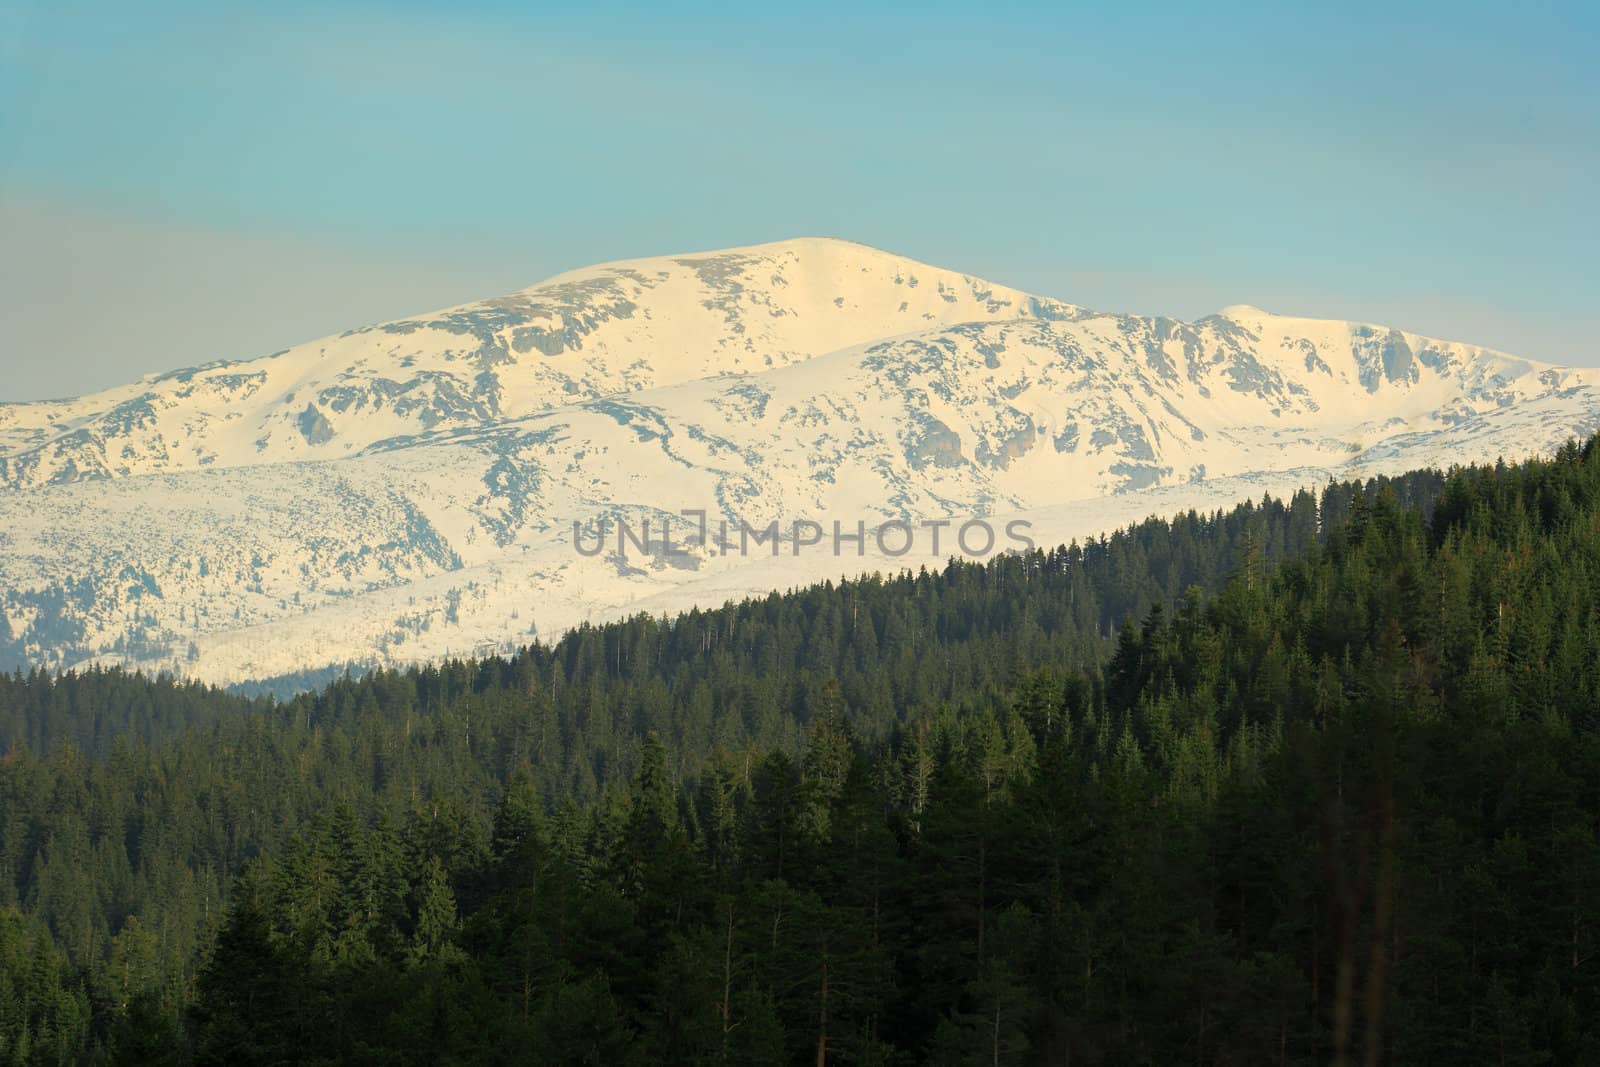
column 190, row 182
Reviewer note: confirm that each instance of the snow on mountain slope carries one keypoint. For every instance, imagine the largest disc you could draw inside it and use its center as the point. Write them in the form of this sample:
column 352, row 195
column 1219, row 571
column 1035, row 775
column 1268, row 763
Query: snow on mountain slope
column 614, row 328
column 426, row 538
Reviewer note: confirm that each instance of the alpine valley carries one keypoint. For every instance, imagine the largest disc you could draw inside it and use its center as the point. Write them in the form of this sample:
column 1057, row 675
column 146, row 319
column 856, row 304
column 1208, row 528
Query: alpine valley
column 408, row 491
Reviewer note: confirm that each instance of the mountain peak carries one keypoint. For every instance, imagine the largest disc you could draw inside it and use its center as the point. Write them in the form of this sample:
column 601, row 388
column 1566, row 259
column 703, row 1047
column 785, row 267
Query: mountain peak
column 604, row 330
column 1243, row 311
column 810, row 255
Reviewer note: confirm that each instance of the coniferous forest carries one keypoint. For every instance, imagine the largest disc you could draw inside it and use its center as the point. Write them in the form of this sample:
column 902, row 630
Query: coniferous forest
column 1311, row 781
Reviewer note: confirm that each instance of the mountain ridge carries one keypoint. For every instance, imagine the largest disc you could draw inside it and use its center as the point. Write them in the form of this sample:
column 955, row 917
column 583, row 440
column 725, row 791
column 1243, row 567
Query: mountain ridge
column 636, row 323
column 436, row 512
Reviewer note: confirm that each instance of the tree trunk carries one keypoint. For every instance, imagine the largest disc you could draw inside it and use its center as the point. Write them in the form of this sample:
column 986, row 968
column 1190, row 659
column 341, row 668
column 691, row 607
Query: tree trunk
column 822, row 1014
column 727, row 982
column 1383, row 911
column 983, row 884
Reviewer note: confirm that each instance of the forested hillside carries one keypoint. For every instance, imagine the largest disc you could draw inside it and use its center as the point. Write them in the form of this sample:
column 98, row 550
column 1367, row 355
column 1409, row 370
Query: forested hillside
column 1309, row 781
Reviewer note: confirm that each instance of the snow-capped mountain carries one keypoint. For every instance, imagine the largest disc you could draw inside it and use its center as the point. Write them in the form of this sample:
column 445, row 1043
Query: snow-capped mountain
column 616, row 328
column 410, row 490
